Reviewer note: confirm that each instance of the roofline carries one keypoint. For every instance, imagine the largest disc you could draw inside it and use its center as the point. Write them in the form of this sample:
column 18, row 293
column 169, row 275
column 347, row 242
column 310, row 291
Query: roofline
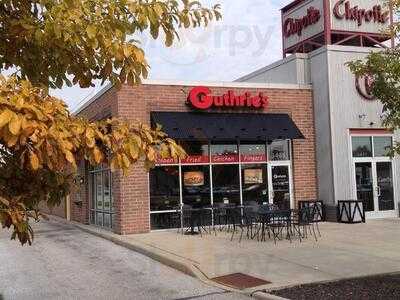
column 222, row 84
column 96, row 96
column 291, row 5
column 228, row 84
column 273, row 65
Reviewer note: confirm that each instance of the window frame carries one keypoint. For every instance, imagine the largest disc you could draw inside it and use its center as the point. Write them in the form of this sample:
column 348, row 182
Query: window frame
column 372, row 137
column 269, row 163
column 94, row 172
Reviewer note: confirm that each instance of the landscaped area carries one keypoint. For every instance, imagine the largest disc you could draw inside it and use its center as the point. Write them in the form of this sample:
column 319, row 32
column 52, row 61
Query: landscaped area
column 373, row 287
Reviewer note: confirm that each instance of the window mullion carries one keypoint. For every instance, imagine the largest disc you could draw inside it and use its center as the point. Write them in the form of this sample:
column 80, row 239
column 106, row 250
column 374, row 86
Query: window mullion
column 240, row 176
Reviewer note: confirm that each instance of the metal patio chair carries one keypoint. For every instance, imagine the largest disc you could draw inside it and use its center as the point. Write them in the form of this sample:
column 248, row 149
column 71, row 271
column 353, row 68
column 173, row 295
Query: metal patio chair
column 247, row 220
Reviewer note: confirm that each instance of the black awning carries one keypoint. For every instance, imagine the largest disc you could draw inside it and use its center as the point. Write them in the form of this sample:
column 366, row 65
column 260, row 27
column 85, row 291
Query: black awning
column 226, row 126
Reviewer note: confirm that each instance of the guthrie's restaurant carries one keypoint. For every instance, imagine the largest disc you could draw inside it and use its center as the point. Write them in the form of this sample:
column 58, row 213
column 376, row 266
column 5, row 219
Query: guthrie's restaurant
column 303, row 128
column 245, row 142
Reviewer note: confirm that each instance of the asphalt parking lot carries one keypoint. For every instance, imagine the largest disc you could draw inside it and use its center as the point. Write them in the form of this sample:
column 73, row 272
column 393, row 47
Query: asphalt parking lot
column 67, row 263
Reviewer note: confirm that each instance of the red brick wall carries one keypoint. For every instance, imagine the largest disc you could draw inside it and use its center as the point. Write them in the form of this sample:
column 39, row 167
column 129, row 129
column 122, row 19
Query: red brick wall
column 137, row 103
column 131, row 193
column 56, row 211
column 103, row 107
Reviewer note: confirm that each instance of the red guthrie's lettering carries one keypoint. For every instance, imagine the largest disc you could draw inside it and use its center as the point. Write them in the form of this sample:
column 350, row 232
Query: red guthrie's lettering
column 200, row 98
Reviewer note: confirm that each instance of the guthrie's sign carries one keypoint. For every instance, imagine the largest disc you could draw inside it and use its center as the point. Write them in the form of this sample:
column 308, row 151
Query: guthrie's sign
column 201, row 98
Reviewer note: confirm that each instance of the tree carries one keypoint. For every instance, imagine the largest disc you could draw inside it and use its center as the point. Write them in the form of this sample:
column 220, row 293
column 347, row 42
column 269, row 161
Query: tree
column 52, row 43
column 384, row 68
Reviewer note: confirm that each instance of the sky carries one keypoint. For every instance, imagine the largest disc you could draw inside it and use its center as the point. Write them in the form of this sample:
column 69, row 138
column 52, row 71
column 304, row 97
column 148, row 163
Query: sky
column 248, row 38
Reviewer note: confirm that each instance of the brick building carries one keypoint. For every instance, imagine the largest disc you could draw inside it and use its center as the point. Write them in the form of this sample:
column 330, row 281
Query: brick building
column 142, row 201
column 302, row 128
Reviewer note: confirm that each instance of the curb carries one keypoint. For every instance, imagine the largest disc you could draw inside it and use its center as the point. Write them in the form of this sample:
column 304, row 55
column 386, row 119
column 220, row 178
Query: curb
column 266, row 296
column 157, row 255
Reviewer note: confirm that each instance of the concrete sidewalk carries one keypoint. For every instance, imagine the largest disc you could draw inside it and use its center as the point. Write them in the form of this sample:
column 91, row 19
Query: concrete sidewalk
column 344, row 251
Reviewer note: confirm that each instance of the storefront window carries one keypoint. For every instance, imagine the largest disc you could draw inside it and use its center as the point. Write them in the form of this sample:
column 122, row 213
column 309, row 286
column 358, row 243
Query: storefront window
column 165, row 220
column 279, row 150
column 164, row 188
column 196, row 185
column 362, row 146
column 382, row 145
column 254, row 184
column 226, row 184
column 106, row 192
column 251, row 153
column 101, row 205
column 197, row 152
column 232, row 179
column 224, row 153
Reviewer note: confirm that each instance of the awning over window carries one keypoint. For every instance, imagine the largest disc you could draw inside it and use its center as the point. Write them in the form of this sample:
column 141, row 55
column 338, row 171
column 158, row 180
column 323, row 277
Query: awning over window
column 226, row 126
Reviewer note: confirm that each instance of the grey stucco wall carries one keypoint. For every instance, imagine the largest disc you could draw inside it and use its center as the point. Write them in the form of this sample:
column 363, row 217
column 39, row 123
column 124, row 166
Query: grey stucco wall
column 346, row 107
column 291, row 70
column 320, row 79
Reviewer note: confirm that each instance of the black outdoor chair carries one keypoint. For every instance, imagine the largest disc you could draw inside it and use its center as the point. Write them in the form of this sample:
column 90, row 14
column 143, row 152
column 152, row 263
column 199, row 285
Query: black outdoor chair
column 303, row 222
column 316, row 210
column 317, row 215
column 234, row 217
column 206, row 219
column 223, row 215
column 278, row 222
column 246, row 219
column 190, row 219
column 219, row 214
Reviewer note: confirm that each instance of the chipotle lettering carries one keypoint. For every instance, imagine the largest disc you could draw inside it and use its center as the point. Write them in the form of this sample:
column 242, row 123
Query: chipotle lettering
column 344, row 10
column 201, row 98
column 293, row 26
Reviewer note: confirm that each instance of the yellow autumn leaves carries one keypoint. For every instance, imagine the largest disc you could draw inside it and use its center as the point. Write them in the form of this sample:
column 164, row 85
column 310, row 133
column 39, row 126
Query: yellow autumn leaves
column 90, row 40
column 41, row 128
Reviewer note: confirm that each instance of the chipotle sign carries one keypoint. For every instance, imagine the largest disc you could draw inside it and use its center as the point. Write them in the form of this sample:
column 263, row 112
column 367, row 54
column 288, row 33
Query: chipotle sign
column 293, row 26
column 345, row 10
column 202, row 98
column 364, row 86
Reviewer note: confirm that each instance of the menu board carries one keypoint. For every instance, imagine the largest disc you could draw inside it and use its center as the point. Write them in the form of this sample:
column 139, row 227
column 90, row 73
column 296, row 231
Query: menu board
column 193, row 178
column 253, row 176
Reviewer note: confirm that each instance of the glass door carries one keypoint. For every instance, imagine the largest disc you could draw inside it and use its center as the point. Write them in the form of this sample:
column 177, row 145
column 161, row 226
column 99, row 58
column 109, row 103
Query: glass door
column 365, row 185
column 280, row 192
column 374, row 186
column 384, row 186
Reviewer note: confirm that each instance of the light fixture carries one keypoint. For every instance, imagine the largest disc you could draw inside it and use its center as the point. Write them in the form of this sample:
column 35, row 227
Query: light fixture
column 79, row 179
